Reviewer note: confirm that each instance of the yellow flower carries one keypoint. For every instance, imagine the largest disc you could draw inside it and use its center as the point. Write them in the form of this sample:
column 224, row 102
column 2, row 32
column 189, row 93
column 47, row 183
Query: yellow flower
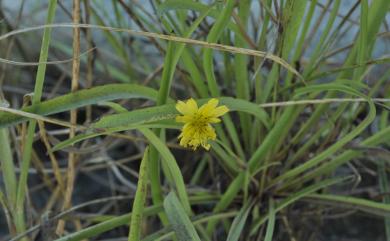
column 197, row 129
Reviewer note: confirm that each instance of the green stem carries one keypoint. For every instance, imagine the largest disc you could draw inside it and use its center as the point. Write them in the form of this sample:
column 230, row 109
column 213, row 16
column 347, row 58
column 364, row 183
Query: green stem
column 27, row 148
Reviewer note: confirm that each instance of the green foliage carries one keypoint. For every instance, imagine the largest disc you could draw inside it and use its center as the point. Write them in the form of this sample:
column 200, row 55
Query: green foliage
column 278, row 153
column 179, row 220
column 140, row 199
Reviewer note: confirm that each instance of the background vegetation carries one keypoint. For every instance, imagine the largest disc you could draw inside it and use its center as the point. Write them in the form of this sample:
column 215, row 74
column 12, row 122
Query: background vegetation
column 88, row 141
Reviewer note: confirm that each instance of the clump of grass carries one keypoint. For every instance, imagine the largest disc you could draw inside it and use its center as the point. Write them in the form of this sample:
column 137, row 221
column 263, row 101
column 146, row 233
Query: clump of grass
column 305, row 139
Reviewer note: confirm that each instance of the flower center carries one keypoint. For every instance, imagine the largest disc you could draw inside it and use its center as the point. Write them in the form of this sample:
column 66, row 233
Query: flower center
column 200, row 121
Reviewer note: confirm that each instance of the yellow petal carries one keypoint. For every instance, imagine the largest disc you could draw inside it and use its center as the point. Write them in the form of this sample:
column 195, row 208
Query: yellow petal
column 187, row 108
column 211, row 133
column 206, row 146
column 220, row 110
column 192, row 105
column 182, row 107
column 214, row 120
column 213, row 103
column 184, row 142
column 209, row 106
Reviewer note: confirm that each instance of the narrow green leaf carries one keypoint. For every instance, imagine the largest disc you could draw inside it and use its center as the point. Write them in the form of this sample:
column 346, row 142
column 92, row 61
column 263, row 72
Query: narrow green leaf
column 181, row 223
column 115, row 106
column 139, row 200
column 241, row 71
column 172, row 165
column 239, row 221
column 118, row 221
column 19, row 215
column 385, row 189
column 383, row 136
column 363, row 36
column 336, row 146
column 293, row 13
column 301, row 40
column 212, row 37
column 155, row 116
column 168, row 111
column 271, row 221
column 319, row 49
column 166, row 233
column 272, row 137
column 81, row 98
column 169, row 124
column 367, row 206
column 199, row 7
column 7, row 167
column 226, row 199
column 295, row 197
column 162, row 97
column 107, row 225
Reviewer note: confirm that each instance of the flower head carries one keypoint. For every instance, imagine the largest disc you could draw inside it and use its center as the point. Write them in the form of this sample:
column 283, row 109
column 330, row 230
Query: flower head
column 197, row 129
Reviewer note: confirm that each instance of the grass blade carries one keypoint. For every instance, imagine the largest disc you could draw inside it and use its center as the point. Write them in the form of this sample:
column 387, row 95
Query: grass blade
column 7, row 167
column 336, row 146
column 172, row 165
column 368, row 206
column 107, row 225
column 229, row 195
column 80, row 99
column 271, row 222
column 385, row 189
column 235, row 231
column 139, row 200
column 382, row 136
column 27, row 149
column 295, row 197
column 181, row 223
